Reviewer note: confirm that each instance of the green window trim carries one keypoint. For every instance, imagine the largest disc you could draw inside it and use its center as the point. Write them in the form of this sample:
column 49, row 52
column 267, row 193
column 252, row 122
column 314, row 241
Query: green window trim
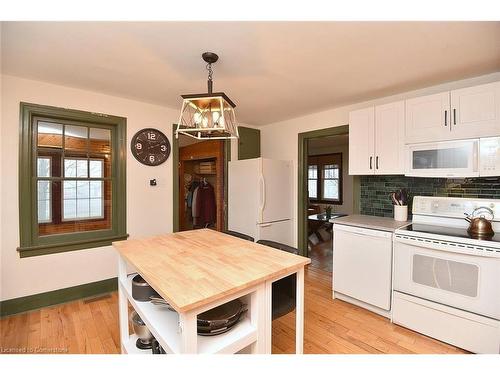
column 30, row 243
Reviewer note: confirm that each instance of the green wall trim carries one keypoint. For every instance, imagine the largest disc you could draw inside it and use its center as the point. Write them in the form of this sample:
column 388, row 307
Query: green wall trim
column 31, row 244
column 303, row 139
column 248, row 143
column 55, row 297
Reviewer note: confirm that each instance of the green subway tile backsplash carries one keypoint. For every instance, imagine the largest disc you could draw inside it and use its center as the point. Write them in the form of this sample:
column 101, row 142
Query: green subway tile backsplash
column 375, row 190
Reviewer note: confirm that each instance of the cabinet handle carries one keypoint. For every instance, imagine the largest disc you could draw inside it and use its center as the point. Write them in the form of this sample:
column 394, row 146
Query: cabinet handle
column 445, row 118
column 454, row 116
column 371, row 157
column 376, row 162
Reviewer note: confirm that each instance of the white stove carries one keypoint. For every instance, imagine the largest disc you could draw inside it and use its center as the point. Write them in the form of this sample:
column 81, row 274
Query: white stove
column 446, row 283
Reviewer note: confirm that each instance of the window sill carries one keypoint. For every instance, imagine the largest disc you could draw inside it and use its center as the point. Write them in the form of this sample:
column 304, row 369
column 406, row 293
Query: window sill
column 30, row 251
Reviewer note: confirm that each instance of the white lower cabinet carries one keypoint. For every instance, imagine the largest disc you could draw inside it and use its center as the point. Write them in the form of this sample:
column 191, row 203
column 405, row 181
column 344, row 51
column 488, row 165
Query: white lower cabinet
column 362, row 264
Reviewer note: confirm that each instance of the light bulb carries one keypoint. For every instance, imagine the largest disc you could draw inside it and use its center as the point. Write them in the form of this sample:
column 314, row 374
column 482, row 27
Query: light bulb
column 204, row 122
column 215, row 117
column 197, row 118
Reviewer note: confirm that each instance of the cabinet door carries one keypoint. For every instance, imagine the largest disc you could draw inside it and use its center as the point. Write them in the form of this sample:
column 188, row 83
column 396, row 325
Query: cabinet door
column 389, row 138
column 476, row 111
column 428, row 118
column 361, row 141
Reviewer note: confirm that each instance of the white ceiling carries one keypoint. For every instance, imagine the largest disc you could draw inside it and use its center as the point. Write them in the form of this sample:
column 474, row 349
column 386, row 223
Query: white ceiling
column 272, row 70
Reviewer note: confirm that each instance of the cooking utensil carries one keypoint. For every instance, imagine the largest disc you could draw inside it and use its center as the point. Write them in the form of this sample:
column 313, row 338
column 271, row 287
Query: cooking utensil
column 160, row 301
column 142, row 332
column 141, row 290
column 221, row 318
column 480, row 227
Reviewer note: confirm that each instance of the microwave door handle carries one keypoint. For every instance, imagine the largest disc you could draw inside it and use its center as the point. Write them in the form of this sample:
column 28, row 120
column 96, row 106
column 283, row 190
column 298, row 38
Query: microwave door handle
column 475, row 156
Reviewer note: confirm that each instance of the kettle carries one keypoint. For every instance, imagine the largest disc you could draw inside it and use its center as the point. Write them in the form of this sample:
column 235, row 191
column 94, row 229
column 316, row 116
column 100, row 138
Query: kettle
column 480, row 227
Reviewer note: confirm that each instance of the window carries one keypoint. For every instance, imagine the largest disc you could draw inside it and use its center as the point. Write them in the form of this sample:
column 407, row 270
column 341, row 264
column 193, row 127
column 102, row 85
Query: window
column 78, row 197
column 312, row 185
column 325, row 178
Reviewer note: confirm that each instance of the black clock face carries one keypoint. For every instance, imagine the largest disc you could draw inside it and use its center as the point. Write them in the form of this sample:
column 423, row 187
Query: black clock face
column 150, row 146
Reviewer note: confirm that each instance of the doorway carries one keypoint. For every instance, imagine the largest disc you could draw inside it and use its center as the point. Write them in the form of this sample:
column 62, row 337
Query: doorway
column 324, row 185
column 199, row 165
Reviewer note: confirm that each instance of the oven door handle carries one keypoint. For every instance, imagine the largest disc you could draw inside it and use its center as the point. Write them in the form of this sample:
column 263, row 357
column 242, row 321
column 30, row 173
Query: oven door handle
column 447, row 248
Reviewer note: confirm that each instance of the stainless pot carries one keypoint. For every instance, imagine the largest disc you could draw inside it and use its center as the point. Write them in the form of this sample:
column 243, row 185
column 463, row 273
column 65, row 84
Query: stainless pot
column 144, row 335
column 479, row 226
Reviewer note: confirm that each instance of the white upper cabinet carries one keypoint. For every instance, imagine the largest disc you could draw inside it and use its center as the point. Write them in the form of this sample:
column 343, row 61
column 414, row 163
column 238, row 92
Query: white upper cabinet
column 376, row 140
column 389, row 138
column 476, row 111
column 428, row 118
column 361, row 141
column 472, row 112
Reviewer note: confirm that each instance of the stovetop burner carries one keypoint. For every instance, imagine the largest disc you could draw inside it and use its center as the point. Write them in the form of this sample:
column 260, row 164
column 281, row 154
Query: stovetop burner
column 447, row 231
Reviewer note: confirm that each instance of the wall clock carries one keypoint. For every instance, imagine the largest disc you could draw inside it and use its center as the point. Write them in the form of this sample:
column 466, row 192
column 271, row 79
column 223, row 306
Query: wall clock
column 150, row 147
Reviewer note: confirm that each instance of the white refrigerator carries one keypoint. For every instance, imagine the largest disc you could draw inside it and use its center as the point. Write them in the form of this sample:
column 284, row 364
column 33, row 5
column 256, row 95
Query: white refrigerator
column 260, row 199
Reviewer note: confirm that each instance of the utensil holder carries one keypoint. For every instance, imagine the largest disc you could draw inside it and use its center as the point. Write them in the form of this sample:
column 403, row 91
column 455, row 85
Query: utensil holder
column 400, row 213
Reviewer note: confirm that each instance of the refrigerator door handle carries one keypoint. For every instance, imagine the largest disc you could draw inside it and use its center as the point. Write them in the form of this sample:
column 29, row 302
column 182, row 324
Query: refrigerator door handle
column 265, row 225
column 262, row 182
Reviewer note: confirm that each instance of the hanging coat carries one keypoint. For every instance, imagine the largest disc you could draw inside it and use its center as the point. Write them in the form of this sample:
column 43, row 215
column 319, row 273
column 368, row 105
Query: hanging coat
column 205, row 205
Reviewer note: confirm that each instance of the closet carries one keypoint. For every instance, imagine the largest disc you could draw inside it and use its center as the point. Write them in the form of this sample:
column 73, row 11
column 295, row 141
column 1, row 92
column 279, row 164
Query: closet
column 201, row 185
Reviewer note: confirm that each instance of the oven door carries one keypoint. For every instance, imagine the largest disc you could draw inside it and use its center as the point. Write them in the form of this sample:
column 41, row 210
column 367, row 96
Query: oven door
column 443, row 159
column 464, row 281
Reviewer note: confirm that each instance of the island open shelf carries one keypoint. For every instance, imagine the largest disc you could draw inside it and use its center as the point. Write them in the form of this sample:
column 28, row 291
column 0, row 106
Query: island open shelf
column 164, row 326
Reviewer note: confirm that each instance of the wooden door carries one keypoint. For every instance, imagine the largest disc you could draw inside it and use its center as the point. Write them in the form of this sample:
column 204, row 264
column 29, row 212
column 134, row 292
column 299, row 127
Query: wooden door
column 476, row 111
column 428, row 118
column 389, row 138
column 361, row 141
column 202, row 151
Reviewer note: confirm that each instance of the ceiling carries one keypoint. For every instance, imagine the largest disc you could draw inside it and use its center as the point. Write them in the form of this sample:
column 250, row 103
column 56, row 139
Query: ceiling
column 272, row 70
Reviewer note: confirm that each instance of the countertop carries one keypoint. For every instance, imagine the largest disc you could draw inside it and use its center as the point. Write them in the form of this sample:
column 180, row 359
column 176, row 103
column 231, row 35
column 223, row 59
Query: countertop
column 386, row 224
column 193, row 268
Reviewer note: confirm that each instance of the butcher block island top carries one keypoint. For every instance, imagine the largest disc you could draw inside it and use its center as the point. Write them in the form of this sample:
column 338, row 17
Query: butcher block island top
column 194, row 268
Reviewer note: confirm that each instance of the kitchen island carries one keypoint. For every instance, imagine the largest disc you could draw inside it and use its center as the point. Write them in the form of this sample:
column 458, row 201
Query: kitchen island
column 195, row 271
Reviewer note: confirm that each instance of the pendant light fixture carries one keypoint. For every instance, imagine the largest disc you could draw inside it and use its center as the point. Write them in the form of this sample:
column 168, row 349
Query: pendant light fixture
column 209, row 115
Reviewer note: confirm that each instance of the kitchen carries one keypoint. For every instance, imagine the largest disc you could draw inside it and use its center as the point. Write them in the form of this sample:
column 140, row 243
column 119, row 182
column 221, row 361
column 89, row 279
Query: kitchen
column 427, row 285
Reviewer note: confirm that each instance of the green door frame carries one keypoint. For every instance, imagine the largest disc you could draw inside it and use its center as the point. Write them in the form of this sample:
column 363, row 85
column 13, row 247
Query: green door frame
column 303, row 139
column 175, row 178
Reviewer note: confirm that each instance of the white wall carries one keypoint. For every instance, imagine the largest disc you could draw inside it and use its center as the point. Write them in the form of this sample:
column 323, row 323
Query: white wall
column 149, row 209
column 347, row 181
column 280, row 140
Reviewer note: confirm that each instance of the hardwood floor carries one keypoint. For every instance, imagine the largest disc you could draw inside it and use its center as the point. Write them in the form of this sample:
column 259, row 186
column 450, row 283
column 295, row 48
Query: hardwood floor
column 321, row 256
column 331, row 326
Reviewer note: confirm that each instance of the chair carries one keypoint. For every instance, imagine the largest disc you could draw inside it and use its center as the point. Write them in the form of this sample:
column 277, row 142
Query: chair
column 285, row 289
column 239, row 235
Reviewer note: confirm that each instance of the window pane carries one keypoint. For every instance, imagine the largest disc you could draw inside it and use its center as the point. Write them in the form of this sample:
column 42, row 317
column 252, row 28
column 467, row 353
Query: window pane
column 96, row 167
column 82, row 189
column 82, row 208
column 312, row 188
column 330, row 189
column 69, row 189
column 69, row 209
column 96, row 207
column 49, row 134
column 313, row 171
column 96, row 189
column 43, row 167
column 331, row 171
column 69, row 167
column 81, row 168
column 44, row 201
column 100, row 140
column 75, row 138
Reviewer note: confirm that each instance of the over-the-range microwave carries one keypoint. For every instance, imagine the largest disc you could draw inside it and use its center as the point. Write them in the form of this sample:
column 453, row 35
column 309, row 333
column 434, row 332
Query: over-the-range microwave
column 478, row 157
